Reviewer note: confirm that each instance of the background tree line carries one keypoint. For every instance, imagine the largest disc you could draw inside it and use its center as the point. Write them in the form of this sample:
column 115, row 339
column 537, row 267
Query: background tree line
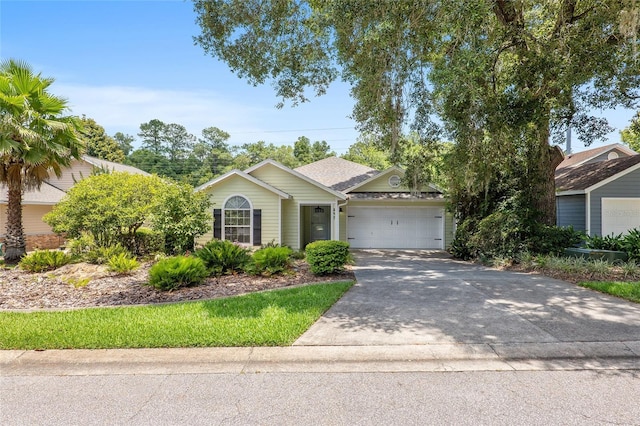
column 169, row 150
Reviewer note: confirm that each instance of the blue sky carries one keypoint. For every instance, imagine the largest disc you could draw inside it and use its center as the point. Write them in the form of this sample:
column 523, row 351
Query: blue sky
column 124, row 63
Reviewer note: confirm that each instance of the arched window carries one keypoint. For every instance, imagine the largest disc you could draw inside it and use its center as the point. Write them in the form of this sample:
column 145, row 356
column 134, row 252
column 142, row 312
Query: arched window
column 237, row 220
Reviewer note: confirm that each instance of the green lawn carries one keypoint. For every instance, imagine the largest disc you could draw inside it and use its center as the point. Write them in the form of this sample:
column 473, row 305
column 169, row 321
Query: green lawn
column 273, row 318
column 625, row 289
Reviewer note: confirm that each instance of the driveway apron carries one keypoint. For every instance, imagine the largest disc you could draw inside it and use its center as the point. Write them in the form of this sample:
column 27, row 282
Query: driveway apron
column 425, row 297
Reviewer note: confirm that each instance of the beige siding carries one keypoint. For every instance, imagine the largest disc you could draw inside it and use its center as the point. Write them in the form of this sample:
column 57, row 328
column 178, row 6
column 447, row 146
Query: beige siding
column 343, row 224
column 31, row 219
column 291, row 224
column 301, row 191
column 79, row 170
column 381, row 183
column 259, row 197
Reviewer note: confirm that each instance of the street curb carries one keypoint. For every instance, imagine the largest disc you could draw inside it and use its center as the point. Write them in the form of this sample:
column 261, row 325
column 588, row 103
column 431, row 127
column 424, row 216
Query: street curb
column 329, row 359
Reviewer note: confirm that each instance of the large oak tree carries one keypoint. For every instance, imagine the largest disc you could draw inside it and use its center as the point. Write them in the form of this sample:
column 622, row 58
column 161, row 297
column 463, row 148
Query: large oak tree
column 502, row 76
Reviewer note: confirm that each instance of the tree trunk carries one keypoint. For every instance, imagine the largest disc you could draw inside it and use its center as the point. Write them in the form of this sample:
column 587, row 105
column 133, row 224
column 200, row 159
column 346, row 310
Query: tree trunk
column 14, row 241
column 544, row 160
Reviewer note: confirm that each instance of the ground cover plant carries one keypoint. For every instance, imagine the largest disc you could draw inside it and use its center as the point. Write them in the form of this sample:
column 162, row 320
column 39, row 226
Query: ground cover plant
column 273, row 318
column 620, row 279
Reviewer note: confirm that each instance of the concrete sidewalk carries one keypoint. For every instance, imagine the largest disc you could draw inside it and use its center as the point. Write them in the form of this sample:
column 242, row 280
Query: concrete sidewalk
column 410, row 311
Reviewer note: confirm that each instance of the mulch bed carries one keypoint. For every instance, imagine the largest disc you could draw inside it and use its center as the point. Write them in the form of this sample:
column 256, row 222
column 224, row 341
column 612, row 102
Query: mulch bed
column 56, row 290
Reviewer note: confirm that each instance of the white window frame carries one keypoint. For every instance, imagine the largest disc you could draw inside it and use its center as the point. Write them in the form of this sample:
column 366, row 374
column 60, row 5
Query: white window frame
column 224, row 224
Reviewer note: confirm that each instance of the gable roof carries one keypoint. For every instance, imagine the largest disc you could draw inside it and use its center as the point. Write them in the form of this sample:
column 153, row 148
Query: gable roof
column 337, row 173
column 46, row 195
column 111, row 166
column 583, row 156
column 298, row 175
column 236, row 172
column 587, row 177
column 391, row 169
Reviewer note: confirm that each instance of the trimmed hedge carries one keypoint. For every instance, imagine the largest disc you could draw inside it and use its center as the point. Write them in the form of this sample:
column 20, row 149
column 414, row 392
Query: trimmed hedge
column 327, row 257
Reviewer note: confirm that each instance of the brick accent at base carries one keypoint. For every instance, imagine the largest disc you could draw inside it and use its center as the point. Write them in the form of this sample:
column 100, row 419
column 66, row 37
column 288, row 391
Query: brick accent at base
column 42, row 241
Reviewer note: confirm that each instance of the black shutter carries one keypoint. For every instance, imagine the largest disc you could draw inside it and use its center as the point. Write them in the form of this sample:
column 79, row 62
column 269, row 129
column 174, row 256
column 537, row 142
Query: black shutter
column 257, row 227
column 217, row 223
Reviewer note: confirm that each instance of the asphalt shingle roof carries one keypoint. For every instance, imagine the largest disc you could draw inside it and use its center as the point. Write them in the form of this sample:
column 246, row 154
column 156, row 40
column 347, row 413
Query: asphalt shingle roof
column 578, row 157
column 47, row 194
column 110, row 165
column 586, row 175
column 337, row 173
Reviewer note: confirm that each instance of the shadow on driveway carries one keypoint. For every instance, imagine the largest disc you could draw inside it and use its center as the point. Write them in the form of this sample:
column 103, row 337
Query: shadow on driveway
column 425, row 297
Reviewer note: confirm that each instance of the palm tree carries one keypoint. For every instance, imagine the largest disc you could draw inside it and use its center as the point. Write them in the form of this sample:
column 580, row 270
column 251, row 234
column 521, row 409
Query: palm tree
column 35, row 139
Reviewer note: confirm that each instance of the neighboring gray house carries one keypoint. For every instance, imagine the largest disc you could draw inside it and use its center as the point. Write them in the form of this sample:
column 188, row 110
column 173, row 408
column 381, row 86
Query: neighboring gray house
column 601, row 197
column 595, row 155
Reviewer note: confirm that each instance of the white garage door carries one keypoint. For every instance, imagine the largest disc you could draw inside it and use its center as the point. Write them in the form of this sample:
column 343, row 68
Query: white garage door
column 386, row 227
column 619, row 215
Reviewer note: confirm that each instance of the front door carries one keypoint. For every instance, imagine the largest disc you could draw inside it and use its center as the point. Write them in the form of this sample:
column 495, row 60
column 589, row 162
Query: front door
column 320, row 223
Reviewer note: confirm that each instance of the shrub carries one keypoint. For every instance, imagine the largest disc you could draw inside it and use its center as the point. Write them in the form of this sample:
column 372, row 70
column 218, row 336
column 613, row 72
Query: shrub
column 501, row 234
column 223, row 257
column 144, row 242
column 175, row 272
column 101, row 255
column 298, row 255
column 327, row 257
column 631, row 244
column 460, row 245
column 554, row 239
column 607, row 242
column 122, row 263
column 44, row 260
column 79, row 246
column 270, row 260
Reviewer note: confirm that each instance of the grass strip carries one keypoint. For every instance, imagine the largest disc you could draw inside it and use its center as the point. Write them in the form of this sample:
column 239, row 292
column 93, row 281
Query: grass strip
column 273, row 318
column 624, row 289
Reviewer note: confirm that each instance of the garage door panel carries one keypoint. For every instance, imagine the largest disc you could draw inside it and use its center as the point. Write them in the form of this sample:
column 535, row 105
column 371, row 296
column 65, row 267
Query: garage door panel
column 375, row 227
column 619, row 215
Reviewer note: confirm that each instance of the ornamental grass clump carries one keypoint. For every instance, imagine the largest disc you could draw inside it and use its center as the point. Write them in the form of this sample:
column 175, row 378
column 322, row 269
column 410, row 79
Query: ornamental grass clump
column 44, row 260
column 175, row 272
column 327, row 257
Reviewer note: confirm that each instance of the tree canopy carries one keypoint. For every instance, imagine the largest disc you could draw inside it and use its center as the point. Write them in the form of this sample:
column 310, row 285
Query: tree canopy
column 631, row 134
column 501, row 76
column 98, row 143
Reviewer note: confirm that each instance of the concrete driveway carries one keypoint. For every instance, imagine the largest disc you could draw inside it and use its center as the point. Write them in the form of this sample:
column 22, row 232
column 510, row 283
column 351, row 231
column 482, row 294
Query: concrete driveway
column 424, row 298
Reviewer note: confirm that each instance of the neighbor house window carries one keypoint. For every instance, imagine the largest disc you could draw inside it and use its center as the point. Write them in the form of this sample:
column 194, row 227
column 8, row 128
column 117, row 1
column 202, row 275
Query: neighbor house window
column 237, row 220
